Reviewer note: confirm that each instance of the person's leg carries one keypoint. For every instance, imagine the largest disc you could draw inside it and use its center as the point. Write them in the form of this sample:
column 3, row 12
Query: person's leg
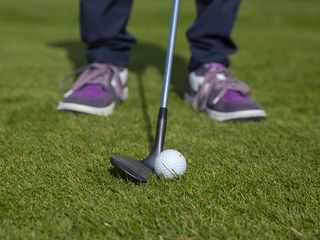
column 210, row 34
column 103, row 82
column 212, row 87
column 103, row 29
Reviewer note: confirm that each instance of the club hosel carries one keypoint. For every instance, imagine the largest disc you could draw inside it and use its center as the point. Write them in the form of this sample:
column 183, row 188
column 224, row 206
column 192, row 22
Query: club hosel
column 161, row 128
column 159, row 138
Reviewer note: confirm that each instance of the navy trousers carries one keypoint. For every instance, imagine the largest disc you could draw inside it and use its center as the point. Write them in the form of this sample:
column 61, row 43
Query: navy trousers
column 103, row 29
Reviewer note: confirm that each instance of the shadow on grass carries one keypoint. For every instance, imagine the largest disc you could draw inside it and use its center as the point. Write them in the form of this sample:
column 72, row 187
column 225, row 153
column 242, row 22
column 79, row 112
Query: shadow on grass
column 144, row 55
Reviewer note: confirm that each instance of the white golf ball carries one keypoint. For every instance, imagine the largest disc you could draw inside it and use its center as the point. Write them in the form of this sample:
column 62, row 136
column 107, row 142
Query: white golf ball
column 170, row 163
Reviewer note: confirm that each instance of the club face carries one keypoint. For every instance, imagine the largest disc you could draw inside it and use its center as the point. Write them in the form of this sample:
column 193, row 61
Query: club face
column 135, row 170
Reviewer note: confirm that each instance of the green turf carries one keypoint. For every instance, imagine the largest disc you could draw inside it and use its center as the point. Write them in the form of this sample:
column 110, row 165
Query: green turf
column 244, row 180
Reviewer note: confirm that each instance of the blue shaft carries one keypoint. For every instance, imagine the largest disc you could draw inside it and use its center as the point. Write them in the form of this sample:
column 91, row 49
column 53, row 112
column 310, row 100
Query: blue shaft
column 170, row 53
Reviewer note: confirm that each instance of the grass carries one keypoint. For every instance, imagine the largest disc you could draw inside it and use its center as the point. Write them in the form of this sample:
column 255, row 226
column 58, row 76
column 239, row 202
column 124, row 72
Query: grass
column 244, row 180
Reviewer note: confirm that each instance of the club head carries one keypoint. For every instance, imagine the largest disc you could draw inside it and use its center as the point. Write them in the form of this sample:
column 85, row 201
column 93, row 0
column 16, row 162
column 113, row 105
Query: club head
column 138, row 171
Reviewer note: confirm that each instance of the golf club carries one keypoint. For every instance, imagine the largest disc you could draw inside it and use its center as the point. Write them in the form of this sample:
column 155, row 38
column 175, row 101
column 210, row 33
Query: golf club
column 140, row 171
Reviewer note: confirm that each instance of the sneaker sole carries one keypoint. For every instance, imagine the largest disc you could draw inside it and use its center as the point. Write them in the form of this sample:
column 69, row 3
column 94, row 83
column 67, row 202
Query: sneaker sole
column 239, row 115
column 73, row 107
column 230, row 116
column 79, row 108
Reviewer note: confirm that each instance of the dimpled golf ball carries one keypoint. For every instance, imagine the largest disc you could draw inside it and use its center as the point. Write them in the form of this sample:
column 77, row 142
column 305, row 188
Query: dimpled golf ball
column 170, row 163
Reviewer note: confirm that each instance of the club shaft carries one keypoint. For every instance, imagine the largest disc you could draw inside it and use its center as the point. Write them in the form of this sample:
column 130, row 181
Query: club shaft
column 170, row 52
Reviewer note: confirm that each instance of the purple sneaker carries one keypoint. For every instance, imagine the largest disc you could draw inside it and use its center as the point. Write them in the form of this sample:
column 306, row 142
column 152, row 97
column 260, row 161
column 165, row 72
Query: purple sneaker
column 213, row 88
column 97, row 89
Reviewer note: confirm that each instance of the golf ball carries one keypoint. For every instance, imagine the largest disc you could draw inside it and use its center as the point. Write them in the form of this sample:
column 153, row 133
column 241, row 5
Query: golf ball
column 170, row 163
